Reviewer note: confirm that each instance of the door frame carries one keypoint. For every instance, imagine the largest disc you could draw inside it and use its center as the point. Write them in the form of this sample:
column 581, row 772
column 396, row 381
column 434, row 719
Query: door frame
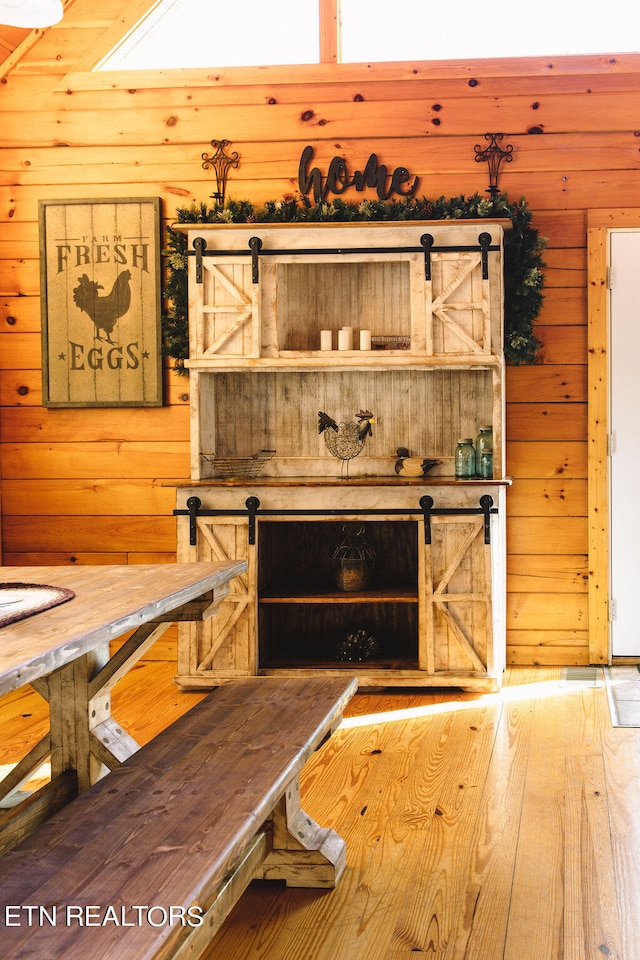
column 599, row 223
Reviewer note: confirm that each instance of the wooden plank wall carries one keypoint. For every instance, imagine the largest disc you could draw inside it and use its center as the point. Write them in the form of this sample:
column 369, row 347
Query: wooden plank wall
column 87, row 485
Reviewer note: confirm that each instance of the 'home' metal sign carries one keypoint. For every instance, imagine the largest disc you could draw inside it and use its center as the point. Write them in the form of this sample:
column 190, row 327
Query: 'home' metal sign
column 338, row 178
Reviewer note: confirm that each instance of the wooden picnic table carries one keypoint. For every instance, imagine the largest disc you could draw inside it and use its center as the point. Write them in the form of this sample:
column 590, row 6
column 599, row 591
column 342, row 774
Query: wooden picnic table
column 64, row 653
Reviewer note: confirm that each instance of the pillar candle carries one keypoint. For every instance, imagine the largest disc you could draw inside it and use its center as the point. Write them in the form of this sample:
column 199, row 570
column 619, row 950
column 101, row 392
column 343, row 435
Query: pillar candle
column 343, row 339
column 365, row 339
column 349, row 334
column 326, row 340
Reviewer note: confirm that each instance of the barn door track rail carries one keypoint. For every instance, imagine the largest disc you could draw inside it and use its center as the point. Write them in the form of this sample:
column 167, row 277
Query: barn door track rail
column 257, row 250
column 252, row 510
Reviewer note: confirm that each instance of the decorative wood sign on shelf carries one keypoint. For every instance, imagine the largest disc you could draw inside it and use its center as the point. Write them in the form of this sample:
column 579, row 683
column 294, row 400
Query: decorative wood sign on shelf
column 101, row 302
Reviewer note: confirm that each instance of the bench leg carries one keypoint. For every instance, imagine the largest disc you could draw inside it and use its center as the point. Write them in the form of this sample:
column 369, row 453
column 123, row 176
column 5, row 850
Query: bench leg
column 303, row 854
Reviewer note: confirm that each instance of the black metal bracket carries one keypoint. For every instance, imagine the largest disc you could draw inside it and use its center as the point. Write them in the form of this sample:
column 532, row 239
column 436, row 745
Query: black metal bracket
column 486, row 503
column 253, row 505
column 193, row 505
column 255, row 245
column 427, row 245
column 427, row 503
column 485, row 243
column 252, row 511
column 199, row 245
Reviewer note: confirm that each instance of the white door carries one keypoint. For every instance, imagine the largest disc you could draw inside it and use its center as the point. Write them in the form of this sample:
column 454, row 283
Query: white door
column 624, row 377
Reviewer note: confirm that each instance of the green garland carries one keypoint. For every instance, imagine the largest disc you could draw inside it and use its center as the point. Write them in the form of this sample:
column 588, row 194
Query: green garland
column 523, row 276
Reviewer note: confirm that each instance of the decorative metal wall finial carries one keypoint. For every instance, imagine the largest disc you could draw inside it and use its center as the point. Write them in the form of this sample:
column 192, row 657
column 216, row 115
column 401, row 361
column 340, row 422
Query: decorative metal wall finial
column 493, row 155
column 220, row 163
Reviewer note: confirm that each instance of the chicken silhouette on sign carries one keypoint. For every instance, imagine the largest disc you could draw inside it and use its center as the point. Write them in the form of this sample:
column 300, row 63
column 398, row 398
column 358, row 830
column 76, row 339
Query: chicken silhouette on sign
column 104, row 309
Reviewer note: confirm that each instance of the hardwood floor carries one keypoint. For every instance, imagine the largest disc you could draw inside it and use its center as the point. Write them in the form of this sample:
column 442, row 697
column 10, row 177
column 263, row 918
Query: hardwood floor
column 478, row 827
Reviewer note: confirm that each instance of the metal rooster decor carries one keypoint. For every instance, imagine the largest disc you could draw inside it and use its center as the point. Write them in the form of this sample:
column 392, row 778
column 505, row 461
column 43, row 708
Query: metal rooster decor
column 345, row 440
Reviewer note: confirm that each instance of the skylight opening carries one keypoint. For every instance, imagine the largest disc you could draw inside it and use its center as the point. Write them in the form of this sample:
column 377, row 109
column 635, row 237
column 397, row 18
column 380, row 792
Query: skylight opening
column 466, row 31
column 214, row 33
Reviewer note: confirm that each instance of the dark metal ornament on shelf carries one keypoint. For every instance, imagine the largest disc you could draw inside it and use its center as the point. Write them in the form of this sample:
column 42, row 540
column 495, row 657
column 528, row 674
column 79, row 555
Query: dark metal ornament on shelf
column 220, row 163
column 494, row 155
column 357, row 645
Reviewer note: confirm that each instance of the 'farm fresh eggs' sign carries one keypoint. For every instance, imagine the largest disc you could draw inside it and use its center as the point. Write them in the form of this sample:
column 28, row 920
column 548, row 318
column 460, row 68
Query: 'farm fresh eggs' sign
column 100, row 286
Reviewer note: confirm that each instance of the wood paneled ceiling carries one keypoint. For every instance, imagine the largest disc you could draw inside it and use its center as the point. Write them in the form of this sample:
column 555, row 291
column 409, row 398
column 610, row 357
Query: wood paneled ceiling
column 10, row 39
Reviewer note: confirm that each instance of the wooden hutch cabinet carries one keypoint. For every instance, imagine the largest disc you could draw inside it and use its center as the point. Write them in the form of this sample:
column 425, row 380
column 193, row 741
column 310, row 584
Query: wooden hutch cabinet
column 429, row 298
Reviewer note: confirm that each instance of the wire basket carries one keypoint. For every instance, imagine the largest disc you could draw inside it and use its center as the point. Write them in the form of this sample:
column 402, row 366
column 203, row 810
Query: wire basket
column 353, row 560
column 245, row 468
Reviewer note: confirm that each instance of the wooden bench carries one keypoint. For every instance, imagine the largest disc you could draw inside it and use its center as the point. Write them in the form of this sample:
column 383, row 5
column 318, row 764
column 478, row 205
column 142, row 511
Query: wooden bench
column 150, row 860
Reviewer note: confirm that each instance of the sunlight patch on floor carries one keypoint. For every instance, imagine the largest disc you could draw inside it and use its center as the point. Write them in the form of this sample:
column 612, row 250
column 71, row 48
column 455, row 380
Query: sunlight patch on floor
column 512, row 694
column 36, row 779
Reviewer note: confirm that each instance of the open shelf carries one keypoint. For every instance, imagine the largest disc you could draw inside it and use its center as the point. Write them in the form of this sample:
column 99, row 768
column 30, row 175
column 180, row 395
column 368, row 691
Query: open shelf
column 372, row 294
column 304, row 617
column 314, row 635
column 295, row 560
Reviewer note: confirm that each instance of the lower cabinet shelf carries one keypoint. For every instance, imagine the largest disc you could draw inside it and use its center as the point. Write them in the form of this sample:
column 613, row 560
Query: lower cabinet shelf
column 431, row 615
column 338, row 632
